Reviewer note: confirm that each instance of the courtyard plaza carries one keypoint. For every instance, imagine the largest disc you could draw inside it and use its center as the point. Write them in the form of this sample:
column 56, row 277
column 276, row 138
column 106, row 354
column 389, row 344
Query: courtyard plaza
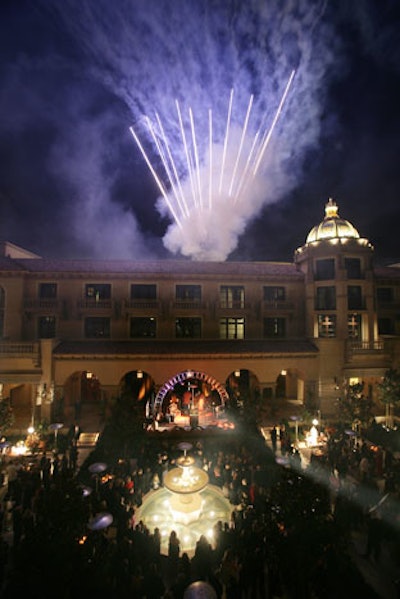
column 380, row 568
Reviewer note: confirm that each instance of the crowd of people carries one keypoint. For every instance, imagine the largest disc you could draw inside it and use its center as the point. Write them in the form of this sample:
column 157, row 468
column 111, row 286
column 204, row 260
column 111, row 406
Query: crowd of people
column 290, row 527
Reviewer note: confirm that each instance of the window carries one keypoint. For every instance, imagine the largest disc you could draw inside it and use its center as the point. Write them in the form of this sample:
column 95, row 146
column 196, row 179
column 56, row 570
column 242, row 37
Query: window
column 274, row 294
column 274, row 327
column 143, row 292
column 354, row 297
column 98, row 291
column 143, row 327
column 97, row 327
column 325, row 298
column 48, row 290
column 326, row 325
column 232, row 296
column 354, row 326
column 188, row 292
column 325, row 269
column 353, row 268
column 46, row 327
column 188, row 328
column 386, row 326
column 231, row 328
column 384, row 295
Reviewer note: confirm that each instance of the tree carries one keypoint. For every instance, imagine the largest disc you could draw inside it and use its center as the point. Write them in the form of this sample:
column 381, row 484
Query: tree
column 389, row 390
column 6, row 416
column 354, row 406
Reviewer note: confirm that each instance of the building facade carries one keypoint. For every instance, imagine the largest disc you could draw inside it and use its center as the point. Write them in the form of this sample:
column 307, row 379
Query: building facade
column 75, row 333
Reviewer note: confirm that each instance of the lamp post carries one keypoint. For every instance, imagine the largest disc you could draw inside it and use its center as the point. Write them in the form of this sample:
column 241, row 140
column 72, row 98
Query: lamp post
column 296, row 419
column 56, row 426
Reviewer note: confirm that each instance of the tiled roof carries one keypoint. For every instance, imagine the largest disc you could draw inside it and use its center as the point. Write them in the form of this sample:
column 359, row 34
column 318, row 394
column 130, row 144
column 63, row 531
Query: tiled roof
column 7, row 264
column 161, row 267
column 387, row 272
column 161, row 347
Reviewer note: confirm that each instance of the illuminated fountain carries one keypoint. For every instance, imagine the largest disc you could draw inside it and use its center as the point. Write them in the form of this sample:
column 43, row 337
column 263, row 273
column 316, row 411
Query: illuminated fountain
column 187, row 504
column 185, row 483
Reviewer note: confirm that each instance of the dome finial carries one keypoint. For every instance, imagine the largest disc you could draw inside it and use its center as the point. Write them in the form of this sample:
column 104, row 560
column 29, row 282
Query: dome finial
column 331, row 209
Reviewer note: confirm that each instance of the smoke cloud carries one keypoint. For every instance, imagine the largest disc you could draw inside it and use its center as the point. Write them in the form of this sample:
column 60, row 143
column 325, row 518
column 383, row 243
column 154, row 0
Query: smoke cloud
column 152, row 54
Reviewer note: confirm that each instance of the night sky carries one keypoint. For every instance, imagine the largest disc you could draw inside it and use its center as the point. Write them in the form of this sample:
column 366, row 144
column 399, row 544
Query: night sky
column 77, row 74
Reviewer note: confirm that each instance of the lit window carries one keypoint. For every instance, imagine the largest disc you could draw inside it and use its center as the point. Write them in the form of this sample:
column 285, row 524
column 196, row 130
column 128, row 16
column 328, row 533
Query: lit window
column 354, row 326
column 326, row 325
column 232, row 296
column 231, row 328
column 98, row 291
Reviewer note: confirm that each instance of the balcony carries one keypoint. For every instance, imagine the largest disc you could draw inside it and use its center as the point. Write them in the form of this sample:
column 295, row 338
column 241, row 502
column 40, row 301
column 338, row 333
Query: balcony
column 277, row 305
column 142, row 304
column 365, row 346
column 40, row 305
column 19, row 350
column 234, row 305
column 95, row 305
column 188, row 305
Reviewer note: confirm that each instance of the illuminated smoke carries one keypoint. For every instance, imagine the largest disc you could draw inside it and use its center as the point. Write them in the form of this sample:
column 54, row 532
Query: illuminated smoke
column 204, row 67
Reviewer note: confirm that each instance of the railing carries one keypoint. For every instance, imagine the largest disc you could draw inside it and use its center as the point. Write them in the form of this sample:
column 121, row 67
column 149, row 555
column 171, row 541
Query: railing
column 188, row 305
column 365, row 346
column 275, row 305
column 41, row 304
column 142, row 304
column 238, row 305
column 382, row 305
column 19, row 349
column 87, row 304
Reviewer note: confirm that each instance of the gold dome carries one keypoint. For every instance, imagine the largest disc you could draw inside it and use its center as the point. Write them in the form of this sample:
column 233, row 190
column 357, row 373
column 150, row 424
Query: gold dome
column 332, row 227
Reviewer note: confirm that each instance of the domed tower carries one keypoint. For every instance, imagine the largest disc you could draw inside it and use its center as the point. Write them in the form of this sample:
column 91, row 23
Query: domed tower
column 340, row 313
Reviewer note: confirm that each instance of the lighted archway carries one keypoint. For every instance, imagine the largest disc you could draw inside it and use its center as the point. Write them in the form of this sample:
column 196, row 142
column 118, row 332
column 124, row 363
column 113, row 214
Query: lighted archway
column 185, row 377
column 140, row 386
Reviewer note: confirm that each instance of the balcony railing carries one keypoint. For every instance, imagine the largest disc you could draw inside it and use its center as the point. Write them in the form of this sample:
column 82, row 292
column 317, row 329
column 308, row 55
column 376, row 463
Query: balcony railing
column 365, row 346
column 142, row 304
column 276, row 305
column 42, row 304
column 19, row 350
column 238, row 305
column 90, row 304
column 188, row 304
